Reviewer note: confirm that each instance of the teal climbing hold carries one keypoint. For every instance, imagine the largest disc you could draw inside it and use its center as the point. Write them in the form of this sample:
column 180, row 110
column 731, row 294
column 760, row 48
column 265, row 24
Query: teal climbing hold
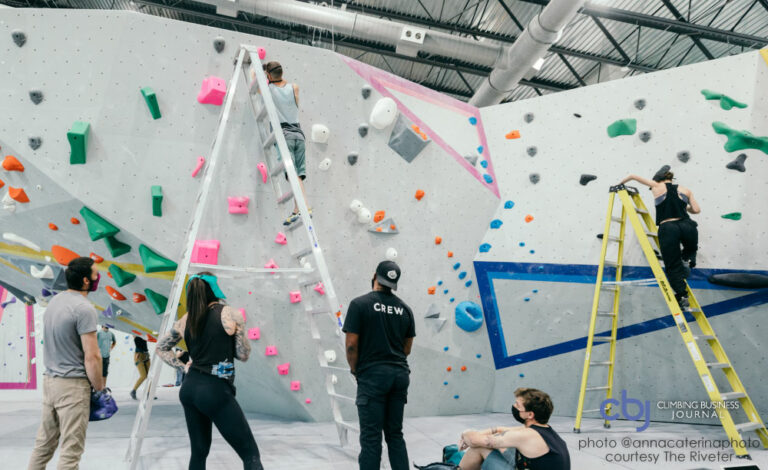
column 153, row 262
column 622, row 127
column 509, row 205
column 120, row 276
column 488, row 178
column 151, row 100
column 469, row 316
column 445, row 291
column 157, row 201
column 451, row 300
column 480, row 149
column 78, row 142
column 484, row 164
column 732, row 216
column 740, row 140
column 485, row 248
column 496, row 223
column 116, row 247
column 159, row 302
column 98, row 227
column 726, row 102
column 521, row 243
column 473, row 120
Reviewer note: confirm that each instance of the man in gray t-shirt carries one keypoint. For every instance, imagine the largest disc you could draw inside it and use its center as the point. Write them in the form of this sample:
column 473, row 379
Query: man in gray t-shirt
column 106, row 343
column 72, row 367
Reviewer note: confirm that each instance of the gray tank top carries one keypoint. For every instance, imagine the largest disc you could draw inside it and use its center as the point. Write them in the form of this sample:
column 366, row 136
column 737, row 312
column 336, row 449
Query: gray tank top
column 285, row 103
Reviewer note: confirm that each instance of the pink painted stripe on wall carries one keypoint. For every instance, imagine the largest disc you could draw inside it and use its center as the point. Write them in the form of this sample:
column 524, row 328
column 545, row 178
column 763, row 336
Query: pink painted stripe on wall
column 31, row 383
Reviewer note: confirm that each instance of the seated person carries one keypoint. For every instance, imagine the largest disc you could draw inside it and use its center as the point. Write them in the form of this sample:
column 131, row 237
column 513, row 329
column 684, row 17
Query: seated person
column 536, row 445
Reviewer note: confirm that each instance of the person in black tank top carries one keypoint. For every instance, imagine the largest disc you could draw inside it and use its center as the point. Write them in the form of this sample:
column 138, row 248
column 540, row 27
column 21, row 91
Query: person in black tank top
column 535, row 446
column 673, row 204
column 215, row 336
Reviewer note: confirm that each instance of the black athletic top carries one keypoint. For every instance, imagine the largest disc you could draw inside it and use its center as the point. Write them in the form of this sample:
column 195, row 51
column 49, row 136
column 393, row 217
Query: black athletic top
column 213, row 350
column 556, row 459
column 141, row 344
column 670, row 205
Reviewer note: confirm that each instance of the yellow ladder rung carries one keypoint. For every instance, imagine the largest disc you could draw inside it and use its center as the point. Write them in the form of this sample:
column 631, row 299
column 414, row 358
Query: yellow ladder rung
column 614, row 238
column 730, row 396
column 609, row 287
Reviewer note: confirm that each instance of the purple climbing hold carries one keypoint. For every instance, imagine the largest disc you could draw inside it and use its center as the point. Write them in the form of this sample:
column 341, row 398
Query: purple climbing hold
column 496, row 223
column 509, row 205
column 473, row 120
column 485, row 247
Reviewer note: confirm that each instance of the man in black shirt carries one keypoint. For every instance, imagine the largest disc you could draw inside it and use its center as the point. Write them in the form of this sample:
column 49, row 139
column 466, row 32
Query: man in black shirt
column 379, row 331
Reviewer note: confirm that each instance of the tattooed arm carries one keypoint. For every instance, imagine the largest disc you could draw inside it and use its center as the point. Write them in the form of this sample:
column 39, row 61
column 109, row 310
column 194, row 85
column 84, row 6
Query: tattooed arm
column 166, row 343
column 501, row 439
column 234, row 325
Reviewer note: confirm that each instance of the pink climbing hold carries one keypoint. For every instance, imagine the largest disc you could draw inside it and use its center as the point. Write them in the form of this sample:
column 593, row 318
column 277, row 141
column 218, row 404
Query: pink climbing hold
column 238, row 204
column 295, row 296
column 254, row 333
column 270, row 351
column 320, row 288
column 262, row 53
column 296, row 386
column 242, row 312
column 206, row 252
column 283, row 369
column 271, row 265
column 212, row 91
column 200, row 163
column 280, row 238
column 308, row 401
column 263, row 170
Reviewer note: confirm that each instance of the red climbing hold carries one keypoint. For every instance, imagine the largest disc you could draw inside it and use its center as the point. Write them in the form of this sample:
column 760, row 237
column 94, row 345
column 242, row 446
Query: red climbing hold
column 114, row 293
column 63, row 255
column 96, row 258
column 448, row 369
column 137, row 333
column 53, row 227
column 12, row 164
column 463, row 368
column 75, row 221
column 151, row 339
column 17, row 194
column 438, row 240
column 138, row 298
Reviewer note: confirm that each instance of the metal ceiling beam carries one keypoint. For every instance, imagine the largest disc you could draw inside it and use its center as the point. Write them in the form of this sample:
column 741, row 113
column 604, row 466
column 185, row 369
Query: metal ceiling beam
column 670, row 25
column 681, row 18
column 611, row 39
column 512, row 15
column 573, row 70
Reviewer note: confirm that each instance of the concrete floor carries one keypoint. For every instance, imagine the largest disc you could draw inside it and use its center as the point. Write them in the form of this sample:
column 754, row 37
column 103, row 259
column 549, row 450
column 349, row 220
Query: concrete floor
column 294, row 445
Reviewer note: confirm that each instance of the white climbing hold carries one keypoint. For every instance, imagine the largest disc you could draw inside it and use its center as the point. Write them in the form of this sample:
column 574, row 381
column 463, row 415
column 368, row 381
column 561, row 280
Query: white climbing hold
column 364, row 216
column 334, row 379
column 355, row 206
column 320, row 133
column 325, row 164
column 383, row 113
column 8, row 203
column 45, row 273
column 330, row 356
column 391, row 254
column 48, row 258
column 12, row 237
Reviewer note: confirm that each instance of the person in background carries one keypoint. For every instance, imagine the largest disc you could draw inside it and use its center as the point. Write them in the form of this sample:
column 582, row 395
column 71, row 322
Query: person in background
column 141, row 360
column 107, row 343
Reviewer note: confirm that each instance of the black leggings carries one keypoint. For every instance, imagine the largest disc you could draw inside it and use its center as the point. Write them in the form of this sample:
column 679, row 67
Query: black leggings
column 210, row 400
column 671, row 236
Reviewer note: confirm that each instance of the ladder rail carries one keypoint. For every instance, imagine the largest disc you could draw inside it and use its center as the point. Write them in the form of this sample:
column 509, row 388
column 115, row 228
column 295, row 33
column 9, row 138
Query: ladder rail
column 615, row 319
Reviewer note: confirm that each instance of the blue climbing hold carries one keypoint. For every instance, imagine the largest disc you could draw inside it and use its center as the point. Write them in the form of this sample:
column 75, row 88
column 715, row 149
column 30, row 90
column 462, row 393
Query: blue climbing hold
column 522, row 375
column 456, row 266
column 488, row 178
column 479, row 356
column 455, row 397
column 469, row 316
column 533, row 251
column 445, row 348
column 485, row 247
column 468, row 283
column 480, row 149
column 445, row 291
column 439, row 283
column 518, row 360
column 522, row 243
column 540, row 268
column 473, row 120
column 535, row 291
column 451, row 299
column 445, row 383
column 462, row 275
column 484, row 164
column 496, row 223
column 527, row 299
column 509, row 205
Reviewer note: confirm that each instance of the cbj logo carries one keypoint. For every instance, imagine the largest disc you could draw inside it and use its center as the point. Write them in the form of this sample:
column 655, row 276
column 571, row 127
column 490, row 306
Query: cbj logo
column 643, row 414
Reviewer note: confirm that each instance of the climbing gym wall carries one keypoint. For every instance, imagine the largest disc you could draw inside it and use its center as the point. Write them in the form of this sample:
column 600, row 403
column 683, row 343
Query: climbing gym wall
column 17, row 333
column 110, row 129
column 557, row 156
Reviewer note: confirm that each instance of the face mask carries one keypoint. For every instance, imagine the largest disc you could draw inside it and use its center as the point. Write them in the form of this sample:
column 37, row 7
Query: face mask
column 516, row 415
column 95, row 284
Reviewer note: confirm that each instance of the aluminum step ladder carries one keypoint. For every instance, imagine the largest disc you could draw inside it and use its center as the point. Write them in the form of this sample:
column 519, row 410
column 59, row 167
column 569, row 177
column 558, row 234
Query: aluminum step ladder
column 702, row 338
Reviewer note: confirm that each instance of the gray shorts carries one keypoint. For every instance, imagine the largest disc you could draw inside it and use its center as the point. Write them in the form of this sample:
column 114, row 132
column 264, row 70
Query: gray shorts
column 298, row 154
column 498, row 461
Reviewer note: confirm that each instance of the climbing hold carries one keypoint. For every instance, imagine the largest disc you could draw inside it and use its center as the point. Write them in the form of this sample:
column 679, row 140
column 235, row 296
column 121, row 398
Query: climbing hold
column 471, row 159
column 238, row 204
column 585, row 178
column 364, row 216
column 18, row 194
column 527, row 299
column 463, row 368
column 462, row 275
column 116, row 247
column 469, row 316
column 532, row 251
column 451, row 299
column 528, row 117
column 218, row 44
column 378, row 216
column 114, row 293
column 120, row 276
column 726, row 102
column 296, row 386
column 386, row 226
column 53, row 226
column 484, row 164
column 280, row 238
column 445, row 291
column 283, row 369
column 319, row 288
column 242, row 312
column 199, row 166
column 740, row 140
column 485, row 248
column 12, row 237
column 419, row 194
column 96, row 258
column 439, row 283
column 151, row 99
column 366, row 91
column 521, row 244
column 622, row 127
column 263, row 170
column 473, row 120
column 45, row 273
column 153, row 262
column 509, row 205
column 355, row 206
column 438, row 240
column 35, row 142
column 352, row 158
column 138, row 298
column 320, row 133
column 450, row 254
column 456, row 266
column 478, row 356
column 78, row 142
column 480, row 150
column 534, row 177
column 98, row 227
column 645, row 136
column 205, row 252
column 11, row 163
column 488, row 179
column 391, row 254
column 383, row 113
column 325, row 164
column 270, row 351
column 531, row 151
column 577, row 115
column 330, row 356
column 159, row 302
column 683, row 156
column 295, row 296
column 254, row 333
column 732, row 216
column 528, row 218
column 448, row 369
column 738, row 164
column 496, row 223
column 362, row 129
column 512, row 135
column 212, row 91
column 271, row 265
column 19, row 37
column 261, row 52
column 36, row 96
column 431, row 290
column 157, row 201
column 640, row 103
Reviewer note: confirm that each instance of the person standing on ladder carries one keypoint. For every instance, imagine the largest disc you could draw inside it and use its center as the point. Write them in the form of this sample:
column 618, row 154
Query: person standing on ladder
column 673, row 203
column 286, row 98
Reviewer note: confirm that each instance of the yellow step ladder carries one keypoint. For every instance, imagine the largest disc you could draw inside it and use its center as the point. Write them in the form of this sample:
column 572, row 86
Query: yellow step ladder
column 633, row 210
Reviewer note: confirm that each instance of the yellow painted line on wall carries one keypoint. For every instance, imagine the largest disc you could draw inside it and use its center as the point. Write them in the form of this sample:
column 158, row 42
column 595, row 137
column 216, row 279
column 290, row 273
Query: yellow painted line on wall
column 764, row 53
column 138, row 326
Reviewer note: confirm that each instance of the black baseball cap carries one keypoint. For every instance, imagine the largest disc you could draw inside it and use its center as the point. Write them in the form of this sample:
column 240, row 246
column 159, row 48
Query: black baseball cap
column 387, row 274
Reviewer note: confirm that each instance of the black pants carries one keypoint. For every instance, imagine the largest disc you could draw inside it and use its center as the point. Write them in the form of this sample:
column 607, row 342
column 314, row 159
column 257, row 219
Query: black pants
column 104, row 366
column 671, row 236
column 382, row 392
column 210, row 400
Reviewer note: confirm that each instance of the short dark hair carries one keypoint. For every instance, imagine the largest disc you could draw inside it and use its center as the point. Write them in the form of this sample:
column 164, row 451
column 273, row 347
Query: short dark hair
column 275, row 69
column 76, row 270
column 536, row 401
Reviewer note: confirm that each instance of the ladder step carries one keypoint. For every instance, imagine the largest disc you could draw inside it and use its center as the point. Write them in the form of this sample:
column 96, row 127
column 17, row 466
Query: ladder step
column 279, row 168
column 748, row 426
column 592, row 411
column 318, row 311
column 652, row 234
column 611, row 263
column 640, row 211
column 615, row 238
column 262, row 112
column 302, row 252
column 718, row 365
column 311, row 283
column 299, row 222
column 616, row 219
column 608, row 287
column 287, row 196
column 341, row 397
column 606, row 314
column 601, row 363
column 733, row 395
column 271, row 139
column 594, row 389
column 344, row 369
column 704, row 337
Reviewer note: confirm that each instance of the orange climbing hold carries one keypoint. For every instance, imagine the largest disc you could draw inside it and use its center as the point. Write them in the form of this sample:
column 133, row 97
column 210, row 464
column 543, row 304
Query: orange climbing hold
column 114, row 293
column 513, row 135
column 423, row 136
column 528, row 218
column 438, row 240
column 151, row 339
column 139, row 298
column 17, row 194
column 448, row 369
column 416, row 129
column 96, row 258
column 75, row 221
column 2, row 183
column 431, row 290
column 379, row 229
column 450, row 254
column 419, row 194
column 137, row 333
column 392, row 227
column 63, row 255
column 53, row 227
column 463, row 368
column 12, row 164
column 379, row 216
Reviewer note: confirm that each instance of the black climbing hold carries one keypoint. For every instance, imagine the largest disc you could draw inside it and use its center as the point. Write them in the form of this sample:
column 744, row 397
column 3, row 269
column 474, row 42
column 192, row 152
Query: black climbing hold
column 738, row 164
column 640, row 104
column 528, row 117
column 219, row 43
column 645, row 136
column 363, row 130
column 740, row 280
column 36, row 96
column 585, row 178
column 366, row 91
column 472, row 159
column 577, row 115
column 531, row 151
column 352, row 158
column 35, row 142
column 600, row 236
column 534, row 177
column 684, row 156
column 19, row 37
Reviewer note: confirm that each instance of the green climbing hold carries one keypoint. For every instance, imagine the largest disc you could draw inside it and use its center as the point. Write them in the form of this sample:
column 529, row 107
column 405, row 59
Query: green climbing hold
column 157, row 201
column 151, row 99
column 622, row 127
column 732, row 216
column 116, row 247
column 120, row 276
column 153, row 262
column 78, row 142
column 740, row 140
column 726, row 102
column 98, row 227
column 158, row 301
